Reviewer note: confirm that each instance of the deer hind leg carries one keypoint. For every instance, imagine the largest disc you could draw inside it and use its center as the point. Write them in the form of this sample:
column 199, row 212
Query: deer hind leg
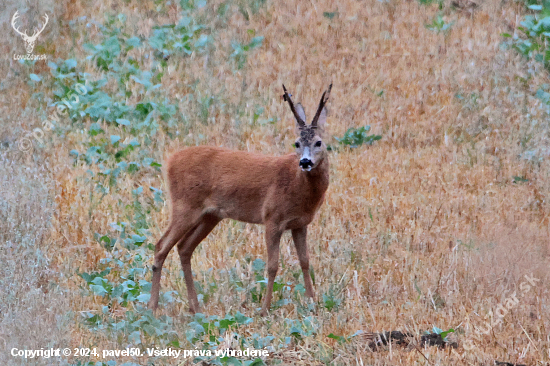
column 273, row 239
column 186, row 247
column 179, row 227
column 299, row 237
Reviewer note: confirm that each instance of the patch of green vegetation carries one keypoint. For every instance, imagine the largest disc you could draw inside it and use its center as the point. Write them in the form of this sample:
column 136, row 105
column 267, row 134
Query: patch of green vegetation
column 330, row 14
column 439, row 25
column 536, row 32
column 241, row 51
column 533, row 44
column 430, row 2
column 342, row 339
column 518, row 179
column 299, row 329
column 442, row 333
column 355, row 137
column 250, row 7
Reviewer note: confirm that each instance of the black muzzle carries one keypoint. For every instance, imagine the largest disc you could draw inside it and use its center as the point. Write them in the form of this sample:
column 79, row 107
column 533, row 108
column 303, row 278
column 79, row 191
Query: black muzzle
column 306, row 164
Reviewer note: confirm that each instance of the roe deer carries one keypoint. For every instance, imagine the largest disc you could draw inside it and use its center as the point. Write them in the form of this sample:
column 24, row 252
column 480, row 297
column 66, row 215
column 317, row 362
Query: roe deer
column 208, row 184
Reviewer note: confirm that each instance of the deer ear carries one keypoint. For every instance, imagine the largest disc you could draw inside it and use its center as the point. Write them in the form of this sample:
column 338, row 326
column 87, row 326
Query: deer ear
column 301, row 112
column 322, row 119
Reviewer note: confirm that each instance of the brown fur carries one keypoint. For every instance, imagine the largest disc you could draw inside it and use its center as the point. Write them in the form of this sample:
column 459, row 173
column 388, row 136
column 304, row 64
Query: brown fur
column 208, row 184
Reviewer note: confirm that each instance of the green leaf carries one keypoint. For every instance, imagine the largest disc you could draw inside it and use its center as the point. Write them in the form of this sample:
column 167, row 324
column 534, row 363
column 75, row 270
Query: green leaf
column 359, row 332
column 258, row 265
column 233, row 361
column 202, row 41
column 444, row 334
column 135, row 337
column 98, row 290
column 144, row 108
column 518, row 179
column 226, row 323
column 340, row 339
column 95, row 129
column 143, row 298
column 243, row 319
column 256, row 42
column 122, row 121
column 256, row 362
column 133, row 42
column 70, row 63
column 115, row 139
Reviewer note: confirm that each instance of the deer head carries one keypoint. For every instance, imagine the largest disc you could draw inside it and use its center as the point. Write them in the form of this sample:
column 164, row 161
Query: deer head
column 29, row 40
column 309, row 146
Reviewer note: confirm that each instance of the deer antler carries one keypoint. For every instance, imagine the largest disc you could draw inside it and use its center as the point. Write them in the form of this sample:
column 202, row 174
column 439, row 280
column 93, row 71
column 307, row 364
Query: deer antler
column 286, row 98
column 13, row 19
column 36, row 33
column 324, row 99
column 25, row 35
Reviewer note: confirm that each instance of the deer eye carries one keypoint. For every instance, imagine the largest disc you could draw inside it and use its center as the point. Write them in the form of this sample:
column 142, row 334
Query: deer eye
column 318, row 144
column 297, row 145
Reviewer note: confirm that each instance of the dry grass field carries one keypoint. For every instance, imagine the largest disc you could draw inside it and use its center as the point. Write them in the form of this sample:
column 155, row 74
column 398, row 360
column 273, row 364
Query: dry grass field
column 435, row 225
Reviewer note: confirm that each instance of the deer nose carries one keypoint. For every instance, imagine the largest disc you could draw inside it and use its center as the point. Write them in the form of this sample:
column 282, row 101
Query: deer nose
column 306, row 163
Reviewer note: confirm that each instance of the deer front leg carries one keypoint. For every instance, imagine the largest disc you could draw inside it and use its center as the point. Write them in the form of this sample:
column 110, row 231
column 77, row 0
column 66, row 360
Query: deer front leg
column 189, row 283
column 299, row 237
column 273, row 238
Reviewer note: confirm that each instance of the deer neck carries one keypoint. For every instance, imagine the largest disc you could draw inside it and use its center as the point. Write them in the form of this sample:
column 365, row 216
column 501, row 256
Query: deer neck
column 316, row 179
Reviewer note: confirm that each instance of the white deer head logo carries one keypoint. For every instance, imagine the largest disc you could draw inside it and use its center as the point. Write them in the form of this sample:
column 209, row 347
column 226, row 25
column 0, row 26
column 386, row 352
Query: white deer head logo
column 29, row 40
